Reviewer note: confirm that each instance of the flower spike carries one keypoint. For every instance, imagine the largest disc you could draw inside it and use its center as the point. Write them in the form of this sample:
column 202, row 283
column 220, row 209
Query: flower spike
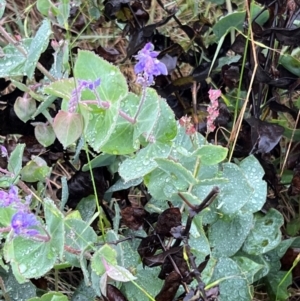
column 148, row 65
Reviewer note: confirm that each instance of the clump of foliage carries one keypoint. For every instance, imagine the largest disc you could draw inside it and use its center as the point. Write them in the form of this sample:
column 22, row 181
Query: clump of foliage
column 200, row 230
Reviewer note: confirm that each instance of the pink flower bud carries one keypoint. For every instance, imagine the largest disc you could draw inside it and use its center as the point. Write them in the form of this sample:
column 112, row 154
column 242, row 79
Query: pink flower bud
column 213, row 109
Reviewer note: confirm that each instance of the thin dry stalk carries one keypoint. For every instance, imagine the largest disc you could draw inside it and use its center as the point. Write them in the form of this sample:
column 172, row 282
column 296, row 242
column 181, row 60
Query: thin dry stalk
column 238, row 124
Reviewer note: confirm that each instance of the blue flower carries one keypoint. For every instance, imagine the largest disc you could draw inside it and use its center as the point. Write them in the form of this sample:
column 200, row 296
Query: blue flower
column 4, row 152
column 10, row 197
column 21, row 223
column 76, row 93
column 148, row 65
column 88, row 84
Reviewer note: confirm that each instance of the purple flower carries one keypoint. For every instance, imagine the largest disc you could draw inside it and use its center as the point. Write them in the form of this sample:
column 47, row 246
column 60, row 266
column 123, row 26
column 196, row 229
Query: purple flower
column 76, row 93
column 88, row 84
column 4, row 152
column 148, row 65
column 21, row 223
column 10, row 197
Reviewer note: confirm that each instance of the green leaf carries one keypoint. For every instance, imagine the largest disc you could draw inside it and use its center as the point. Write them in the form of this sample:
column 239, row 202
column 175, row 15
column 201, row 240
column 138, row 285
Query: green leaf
column 101, row 125
column 177, row 174
column 266, row 234
column 275, row 291
column 6, row 181
column 148, row 115
column 254, row 174
column 37, row 47
column 101, row 160
column 108, row 254
column 45, row 7
column 15, row 159
column 13, row 289
column 121, row 141
column 113, row 88
column 233, row 283
column 28, row 258
column 94, row 11
column 35, row 170
column 64, row 193
column 227, row 236
column 55, row 227
column 259, row 260
column 235, row 193
column 47, row 102
column 64, row 13
column 24, row 108
column 291, row 63
column 165, row 129
column 2, row 7
column 145, row 277
column 211, row 154
column 218, row 2
column 78, row 236
column 121, row 185
column 128, row 251
column 44, row 134
column 61, row 67
column 68, row 127
column 144, row 162
column 200, row 246
column 87, row 207
column 293, row 226
column 236, row 20
column 249, row 267
column 159, row 186
column 113, row 85
column 273, row 257
column 13, row 61
column 51, row 296
column 62, row 88
column 6, row 214
column 161, row 135
column 84, row 293
column 119, row 273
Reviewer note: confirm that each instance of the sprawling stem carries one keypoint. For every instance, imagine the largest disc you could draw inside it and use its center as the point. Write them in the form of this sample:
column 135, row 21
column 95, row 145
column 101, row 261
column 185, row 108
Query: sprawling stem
column 141, row 103
column 106, row 105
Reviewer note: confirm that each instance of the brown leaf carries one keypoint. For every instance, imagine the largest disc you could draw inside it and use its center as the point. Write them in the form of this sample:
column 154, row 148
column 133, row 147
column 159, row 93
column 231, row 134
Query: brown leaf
column 109, row 54
column 158, row 259
column 114, row 294
column 148, row 246
column 170, row 287
column 170, row 218
column 264, row 135
column 133, row 217
column 294, row 189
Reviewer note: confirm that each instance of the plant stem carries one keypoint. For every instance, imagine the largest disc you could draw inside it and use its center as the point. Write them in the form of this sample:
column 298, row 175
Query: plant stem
column 229, row 9
column 141, row 103
column 106, row 104
column 99, row 208
column 3, row 290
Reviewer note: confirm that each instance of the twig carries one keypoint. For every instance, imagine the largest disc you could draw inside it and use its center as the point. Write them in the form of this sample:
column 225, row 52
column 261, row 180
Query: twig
column 3, row 290
column 195, row 210
column 195, row 270
column 195, row 90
